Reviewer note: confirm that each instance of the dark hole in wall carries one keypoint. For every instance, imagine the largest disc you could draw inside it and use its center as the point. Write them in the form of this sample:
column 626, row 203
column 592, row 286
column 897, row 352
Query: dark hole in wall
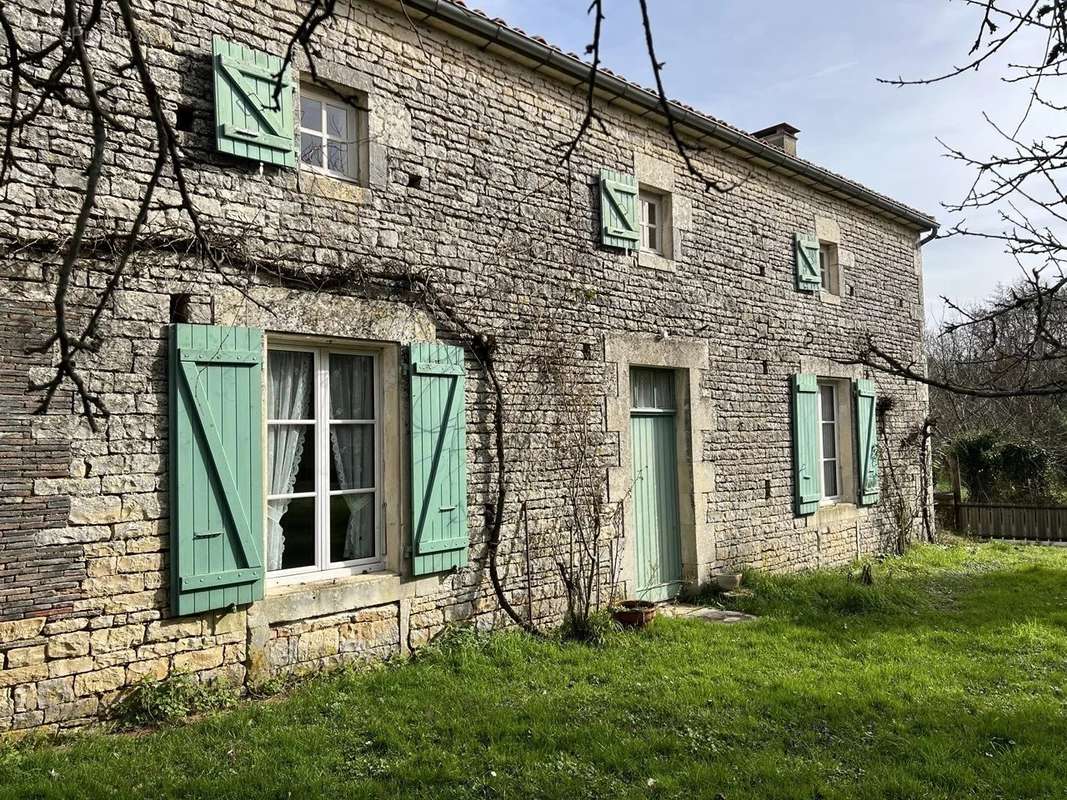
column 587, row 351
column 767, row 489
column 185, row 117
column 414, row 181
column 179, row 307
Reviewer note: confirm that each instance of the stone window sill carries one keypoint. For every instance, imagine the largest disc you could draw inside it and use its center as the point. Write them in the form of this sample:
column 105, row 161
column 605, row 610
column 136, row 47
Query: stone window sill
column 298, row 601
column 655, row 261
column 294, row 602
column 833, row 513
column 333, row 188
column 829, row 298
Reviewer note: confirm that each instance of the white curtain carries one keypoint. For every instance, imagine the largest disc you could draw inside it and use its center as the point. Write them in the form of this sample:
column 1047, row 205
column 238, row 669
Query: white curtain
column 289, row 375
column 353, row 455
column 352, row 397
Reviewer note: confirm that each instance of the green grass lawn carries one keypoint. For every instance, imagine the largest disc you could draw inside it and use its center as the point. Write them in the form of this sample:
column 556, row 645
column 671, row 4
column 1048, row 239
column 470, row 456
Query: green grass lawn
column 946, row 679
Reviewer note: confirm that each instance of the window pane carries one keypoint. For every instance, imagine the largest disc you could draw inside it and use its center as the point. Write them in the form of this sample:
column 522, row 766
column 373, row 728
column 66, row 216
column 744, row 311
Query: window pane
column 290, row 385
column 652, row 388
column 653, row 211
column 310, row 114
column 337, row 157
column 351, row 386
column 829, row 407
column 829, row 479
column 829, row 440
column 291, row 533
column 290, row 459
column 352, row 527
column 653, row 239
column 311, row 149
column 351, row 457
column 337, row 122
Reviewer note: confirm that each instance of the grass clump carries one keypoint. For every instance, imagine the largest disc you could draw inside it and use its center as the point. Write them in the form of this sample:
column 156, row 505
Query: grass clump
column 177, row 696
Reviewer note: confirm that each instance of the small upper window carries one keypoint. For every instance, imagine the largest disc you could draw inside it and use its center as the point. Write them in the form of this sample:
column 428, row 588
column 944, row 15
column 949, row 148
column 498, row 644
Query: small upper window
column 652, row 222
column 329, row 133
column 828, row 266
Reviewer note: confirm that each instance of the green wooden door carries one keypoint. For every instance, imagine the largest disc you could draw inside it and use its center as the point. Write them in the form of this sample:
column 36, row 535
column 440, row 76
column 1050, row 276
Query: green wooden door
column 655, row 491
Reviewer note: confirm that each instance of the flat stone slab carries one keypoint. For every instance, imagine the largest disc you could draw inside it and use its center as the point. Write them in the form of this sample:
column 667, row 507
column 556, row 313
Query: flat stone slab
column 705, row 613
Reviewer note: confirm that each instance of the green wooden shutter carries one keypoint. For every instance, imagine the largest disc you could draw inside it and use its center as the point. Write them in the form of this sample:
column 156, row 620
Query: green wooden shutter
column 438, row 458
column 809, row 273
column 248, row 121
column 867, row 442
column 618, row 209
column 806, row 467
column 216, row 467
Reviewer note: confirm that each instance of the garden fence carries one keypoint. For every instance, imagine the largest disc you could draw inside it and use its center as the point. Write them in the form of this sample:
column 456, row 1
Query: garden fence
column 1003, row 521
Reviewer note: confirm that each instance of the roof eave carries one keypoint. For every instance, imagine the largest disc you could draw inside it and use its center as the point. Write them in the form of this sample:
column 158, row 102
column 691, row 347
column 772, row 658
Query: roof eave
column 494, row 34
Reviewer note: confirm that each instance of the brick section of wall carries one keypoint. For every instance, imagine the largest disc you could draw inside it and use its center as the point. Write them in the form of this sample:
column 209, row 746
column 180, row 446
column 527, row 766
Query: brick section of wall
column 84, row 520
column 39, row 572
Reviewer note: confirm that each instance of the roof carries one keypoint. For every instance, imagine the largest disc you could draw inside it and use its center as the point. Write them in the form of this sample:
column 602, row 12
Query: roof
column 496, row 36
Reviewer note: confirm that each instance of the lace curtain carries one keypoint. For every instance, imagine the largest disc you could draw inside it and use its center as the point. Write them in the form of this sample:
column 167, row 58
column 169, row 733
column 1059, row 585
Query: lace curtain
column 352, row 446
column 289, row 377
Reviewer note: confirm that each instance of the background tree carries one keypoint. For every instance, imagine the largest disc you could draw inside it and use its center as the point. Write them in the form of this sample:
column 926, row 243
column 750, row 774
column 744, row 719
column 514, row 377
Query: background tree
column 1014, row 344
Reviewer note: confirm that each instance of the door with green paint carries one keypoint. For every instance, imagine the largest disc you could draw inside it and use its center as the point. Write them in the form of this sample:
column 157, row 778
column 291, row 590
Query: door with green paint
column 654, row 456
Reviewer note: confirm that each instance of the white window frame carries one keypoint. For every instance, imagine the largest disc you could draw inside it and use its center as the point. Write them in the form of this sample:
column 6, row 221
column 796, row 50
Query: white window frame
column 324, row 568
column 354, row 141
column 646, row 200
column 836, row 423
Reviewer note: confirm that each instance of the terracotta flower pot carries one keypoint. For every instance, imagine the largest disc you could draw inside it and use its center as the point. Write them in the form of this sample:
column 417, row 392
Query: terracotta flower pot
column 634, row 613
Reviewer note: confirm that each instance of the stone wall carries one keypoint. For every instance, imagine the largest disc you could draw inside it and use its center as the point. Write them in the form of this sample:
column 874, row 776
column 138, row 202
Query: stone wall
column 464, row 183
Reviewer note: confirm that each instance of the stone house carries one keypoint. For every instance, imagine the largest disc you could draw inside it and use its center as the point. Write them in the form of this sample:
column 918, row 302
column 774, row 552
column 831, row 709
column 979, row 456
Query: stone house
column 299, row 467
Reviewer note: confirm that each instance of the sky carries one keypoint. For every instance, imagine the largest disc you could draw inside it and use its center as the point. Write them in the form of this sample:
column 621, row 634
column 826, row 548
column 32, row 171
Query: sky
column 815, row 65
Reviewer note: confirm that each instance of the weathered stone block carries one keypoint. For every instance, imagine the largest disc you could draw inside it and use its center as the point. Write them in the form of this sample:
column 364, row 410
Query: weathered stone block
column 69, row 645
column 20, row 629
column 25, row 656
column 317, row 644
column 13, row 677
column 95, row 510
column 152, row 669
column 103, row 680
column 169, row 629
column 55, row 691
column 197, row 660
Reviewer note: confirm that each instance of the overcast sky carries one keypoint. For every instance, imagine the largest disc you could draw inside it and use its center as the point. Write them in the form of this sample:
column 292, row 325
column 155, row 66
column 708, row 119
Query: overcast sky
column 815, row 65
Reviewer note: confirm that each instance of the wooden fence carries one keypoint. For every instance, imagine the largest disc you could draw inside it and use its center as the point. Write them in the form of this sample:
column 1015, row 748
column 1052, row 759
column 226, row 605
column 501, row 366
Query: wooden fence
column 1000, row 521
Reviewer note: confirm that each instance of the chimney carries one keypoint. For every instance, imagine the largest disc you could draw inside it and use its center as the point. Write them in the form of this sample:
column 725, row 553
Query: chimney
column 783, row 136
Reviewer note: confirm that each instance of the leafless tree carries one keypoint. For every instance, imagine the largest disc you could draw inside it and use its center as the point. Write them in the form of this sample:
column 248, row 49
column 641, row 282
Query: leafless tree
column 1016, row 342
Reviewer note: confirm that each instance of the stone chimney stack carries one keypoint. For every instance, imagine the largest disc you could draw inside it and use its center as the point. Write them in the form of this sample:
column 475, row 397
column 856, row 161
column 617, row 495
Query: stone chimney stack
column 783, row 136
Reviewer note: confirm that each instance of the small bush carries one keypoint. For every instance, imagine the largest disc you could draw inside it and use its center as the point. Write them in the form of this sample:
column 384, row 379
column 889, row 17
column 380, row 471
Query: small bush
column 595, row 630
column 152, row 702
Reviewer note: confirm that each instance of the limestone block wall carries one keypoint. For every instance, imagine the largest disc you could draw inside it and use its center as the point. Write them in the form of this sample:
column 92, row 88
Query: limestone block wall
column 465, row 184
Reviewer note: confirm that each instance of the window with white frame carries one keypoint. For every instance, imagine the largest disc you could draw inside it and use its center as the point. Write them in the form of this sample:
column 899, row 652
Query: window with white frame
column 323, row 444
column 329, row 133
column 828, row 266
column 829, row 441
column 652, row 222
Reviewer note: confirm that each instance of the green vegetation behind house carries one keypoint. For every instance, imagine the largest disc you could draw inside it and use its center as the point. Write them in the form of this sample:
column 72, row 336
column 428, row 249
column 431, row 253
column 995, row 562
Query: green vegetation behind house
column 945, row 679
